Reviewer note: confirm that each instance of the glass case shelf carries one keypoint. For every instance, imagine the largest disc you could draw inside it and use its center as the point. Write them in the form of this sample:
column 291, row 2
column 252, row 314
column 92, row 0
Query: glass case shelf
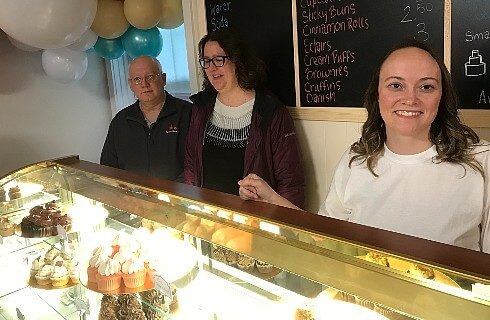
column 238, row 259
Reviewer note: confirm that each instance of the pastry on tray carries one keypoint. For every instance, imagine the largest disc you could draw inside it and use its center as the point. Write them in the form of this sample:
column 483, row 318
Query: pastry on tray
column 3, row 196
column 245, row 263
column 130, row 308
column 219, row 254
column 378, row 258
column 109, row 307
column 15, row 193
column 42, row 221
column 7, row 227
column 155, row 304
column 263, row 267
column 108, row 275
column 60, row 275
column 422, row 271
column 133, row 272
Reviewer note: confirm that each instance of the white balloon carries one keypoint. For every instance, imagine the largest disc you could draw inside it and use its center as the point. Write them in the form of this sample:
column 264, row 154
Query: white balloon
column 64, row 65
column 86, row 41
column 47, row 24
column 22, row 46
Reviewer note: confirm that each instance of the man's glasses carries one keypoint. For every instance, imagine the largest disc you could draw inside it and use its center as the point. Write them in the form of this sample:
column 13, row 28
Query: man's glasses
column 149, row 78
column 218, row 61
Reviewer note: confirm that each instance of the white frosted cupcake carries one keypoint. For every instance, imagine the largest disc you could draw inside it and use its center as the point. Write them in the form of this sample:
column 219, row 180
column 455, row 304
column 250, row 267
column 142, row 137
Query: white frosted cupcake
column 37, row 264
column 123, row 255
column 133, row 273
column 108, row 275
column 93, row 265
column 60, row 276
column 43, row 277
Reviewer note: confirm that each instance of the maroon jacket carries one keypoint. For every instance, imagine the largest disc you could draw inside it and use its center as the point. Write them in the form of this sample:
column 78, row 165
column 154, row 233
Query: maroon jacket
column 272, row 150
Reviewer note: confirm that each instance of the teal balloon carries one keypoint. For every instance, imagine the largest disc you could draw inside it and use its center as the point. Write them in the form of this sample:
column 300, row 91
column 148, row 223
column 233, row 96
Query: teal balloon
column 139, row 42
column 109, row 48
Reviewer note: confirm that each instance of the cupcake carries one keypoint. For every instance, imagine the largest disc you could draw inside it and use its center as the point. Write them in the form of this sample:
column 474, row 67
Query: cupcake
column 109, row 302
column 133, row 272
column 93, row 265
column 130, row 308
column 109, row 307
column 102, row 250
column 7, row 228
column 37, row 264
column 219, row 254
column 73, row 268
column 155, row 304
column 231, row 257
column 43, row 277
column 14, row 193
column 60, row 276
column 123, row 255
column 3, row 197
column 263, row 267
column 51, row 255
column 245, row 263
column 107, row 314
column 108, row 275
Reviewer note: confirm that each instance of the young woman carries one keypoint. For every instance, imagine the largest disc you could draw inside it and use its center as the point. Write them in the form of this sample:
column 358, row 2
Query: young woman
column 416, row 169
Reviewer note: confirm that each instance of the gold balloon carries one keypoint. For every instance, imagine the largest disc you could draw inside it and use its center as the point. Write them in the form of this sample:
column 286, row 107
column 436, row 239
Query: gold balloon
column 172, row 15
column 110, row 21
column 143, row 14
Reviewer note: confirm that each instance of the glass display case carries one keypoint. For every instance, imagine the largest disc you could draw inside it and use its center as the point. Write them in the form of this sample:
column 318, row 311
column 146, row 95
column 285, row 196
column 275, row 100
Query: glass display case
column 84, row 241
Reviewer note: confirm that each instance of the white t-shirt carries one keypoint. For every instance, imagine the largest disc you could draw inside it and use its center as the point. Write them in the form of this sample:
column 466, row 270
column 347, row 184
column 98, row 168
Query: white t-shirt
column 415, row 195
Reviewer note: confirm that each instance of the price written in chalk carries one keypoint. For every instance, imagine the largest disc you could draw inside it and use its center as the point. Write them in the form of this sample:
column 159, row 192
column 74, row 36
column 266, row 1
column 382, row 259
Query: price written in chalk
column 162, row 286
column 410, row 12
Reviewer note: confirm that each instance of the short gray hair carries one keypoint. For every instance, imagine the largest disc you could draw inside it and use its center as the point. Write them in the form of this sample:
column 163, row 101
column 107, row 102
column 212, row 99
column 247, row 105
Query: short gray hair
column 152, row 59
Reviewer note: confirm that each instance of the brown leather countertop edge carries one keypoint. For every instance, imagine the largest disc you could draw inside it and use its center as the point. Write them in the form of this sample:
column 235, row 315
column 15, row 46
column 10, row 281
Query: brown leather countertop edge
column 460, row 259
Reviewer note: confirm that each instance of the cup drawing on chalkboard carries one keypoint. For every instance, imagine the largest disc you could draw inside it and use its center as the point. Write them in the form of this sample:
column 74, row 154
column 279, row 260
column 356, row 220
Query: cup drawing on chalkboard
column 475, row 66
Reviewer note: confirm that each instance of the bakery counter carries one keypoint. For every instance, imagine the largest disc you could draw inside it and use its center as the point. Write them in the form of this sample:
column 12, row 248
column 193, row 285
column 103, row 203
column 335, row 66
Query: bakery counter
column 145, row 248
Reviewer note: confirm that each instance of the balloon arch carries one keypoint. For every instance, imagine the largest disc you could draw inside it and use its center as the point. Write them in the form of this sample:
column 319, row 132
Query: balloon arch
column 66, row 29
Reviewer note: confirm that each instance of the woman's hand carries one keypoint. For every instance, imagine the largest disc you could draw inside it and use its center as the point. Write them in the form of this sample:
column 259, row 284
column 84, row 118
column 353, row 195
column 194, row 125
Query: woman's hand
column 253, row 187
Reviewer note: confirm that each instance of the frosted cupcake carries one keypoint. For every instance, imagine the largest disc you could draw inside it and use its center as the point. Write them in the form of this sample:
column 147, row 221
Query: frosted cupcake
column 60, row 276
column 51, row 255
column 37, row 264
column 133, row 273
column 123, row 255
column 73, row 268
column 108, row 275
column 43, row 277
column 93, row 265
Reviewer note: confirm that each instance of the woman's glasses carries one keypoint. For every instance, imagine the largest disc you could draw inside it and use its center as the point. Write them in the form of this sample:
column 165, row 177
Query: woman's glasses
column 149, row 78
column 218, row 61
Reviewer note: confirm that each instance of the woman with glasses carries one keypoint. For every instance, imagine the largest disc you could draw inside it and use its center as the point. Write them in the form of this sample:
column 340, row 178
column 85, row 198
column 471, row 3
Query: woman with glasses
column 237, row 127
column 148, row 137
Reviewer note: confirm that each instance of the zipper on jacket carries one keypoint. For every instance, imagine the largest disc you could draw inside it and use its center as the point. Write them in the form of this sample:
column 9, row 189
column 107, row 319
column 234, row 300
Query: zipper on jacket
column 148, row 141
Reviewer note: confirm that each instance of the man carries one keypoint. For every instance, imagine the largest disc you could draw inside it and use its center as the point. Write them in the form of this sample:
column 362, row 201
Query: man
column 148, row 137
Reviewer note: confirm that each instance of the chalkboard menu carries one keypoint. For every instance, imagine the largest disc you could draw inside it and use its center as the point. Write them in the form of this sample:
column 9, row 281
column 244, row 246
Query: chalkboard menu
column 266, row 25
column 340, row 43
column 470, row 52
